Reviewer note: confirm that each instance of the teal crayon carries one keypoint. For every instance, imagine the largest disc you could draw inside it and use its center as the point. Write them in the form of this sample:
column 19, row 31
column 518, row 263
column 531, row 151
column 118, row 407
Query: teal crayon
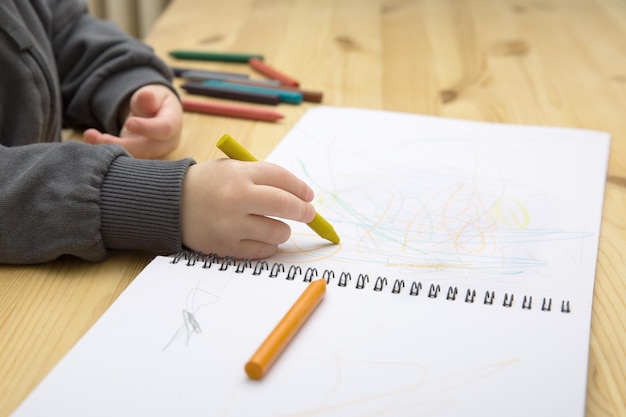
column 307, row 95
column 293, row 97
column 230, row 94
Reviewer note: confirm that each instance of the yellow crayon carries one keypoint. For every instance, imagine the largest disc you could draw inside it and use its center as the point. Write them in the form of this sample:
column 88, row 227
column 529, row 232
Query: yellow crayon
column 234, row 150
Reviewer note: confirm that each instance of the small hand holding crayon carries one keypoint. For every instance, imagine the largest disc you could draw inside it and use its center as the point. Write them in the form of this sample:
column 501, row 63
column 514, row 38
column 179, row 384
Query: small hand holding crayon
column 232, row 208
column 235, row 150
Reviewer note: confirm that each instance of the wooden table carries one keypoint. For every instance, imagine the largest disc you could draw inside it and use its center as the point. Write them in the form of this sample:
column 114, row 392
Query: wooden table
column 549, row 62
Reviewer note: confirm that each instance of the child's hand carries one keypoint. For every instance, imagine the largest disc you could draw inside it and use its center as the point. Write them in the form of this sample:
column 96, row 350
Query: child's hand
column 153, row 127
column 225, row 204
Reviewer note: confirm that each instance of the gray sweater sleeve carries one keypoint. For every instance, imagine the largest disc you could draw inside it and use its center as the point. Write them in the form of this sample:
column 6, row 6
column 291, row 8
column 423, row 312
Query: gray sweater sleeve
column 73, row 198
column 140, row 204
column 99, row 67
column 77, row 199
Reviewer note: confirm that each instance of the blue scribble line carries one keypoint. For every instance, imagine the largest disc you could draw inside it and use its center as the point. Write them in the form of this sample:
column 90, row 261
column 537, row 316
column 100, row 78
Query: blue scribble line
column 453, row 229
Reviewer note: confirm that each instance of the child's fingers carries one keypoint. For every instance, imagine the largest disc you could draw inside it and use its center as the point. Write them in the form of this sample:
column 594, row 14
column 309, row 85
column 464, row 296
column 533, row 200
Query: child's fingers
column 160, row 128
column 262, row 237
column 276, row 202
column 151, row 100
column 262, row 229
column 91, row 136
column 145, row 103
column 242, row 236
column 130, row 144
column 276, row 176
column 139, row 147
column 266, row 189
column 257, row 237
column 163, row 122
column 233, row 208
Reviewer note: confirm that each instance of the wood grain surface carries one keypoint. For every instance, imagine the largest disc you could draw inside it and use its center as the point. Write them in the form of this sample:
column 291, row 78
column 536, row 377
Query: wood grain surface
column 543, row 62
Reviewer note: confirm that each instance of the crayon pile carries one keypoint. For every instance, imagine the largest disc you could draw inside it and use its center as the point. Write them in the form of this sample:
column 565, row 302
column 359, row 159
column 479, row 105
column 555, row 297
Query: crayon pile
column 276, row 88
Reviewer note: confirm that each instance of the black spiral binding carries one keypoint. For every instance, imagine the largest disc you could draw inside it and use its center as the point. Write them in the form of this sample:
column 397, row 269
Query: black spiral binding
column 362, row 282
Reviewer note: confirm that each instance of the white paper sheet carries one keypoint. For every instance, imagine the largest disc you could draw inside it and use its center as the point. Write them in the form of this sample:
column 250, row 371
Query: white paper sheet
column 475, row 245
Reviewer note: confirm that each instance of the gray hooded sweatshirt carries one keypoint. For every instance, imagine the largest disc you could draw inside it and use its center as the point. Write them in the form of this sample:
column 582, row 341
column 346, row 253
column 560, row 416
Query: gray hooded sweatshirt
column 60, row 67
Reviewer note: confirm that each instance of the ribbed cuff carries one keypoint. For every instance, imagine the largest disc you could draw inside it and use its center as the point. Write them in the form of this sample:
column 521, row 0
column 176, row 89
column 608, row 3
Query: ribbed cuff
column 140, row 204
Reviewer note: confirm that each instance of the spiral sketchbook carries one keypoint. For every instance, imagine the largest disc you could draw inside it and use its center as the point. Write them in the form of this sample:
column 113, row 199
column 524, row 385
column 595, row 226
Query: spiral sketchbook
column 462, row 286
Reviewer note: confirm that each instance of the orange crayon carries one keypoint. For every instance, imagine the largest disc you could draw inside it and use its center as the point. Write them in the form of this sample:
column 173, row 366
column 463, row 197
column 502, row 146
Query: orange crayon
column 273, row 73
column 285, row 330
